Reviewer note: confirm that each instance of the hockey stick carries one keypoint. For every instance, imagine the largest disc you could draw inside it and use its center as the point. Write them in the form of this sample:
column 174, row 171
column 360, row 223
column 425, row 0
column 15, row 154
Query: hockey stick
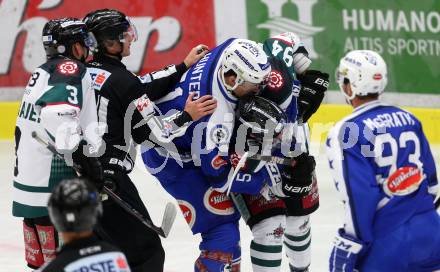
column 169, row 213
column 274, row 159
column 437, row 203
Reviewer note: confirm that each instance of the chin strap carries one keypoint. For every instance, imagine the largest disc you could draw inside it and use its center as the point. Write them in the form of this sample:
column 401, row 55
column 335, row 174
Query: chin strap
column 103, row 50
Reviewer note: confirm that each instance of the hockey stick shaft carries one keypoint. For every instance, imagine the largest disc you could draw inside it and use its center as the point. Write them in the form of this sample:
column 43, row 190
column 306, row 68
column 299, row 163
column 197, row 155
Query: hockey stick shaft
column 162, row 231
column 273, row 159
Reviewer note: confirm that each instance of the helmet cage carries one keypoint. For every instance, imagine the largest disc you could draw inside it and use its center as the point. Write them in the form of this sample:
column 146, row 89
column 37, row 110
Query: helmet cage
column 262, row 116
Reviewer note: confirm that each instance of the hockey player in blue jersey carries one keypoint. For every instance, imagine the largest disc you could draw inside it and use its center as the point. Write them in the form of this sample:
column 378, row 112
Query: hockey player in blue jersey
column 383, row 168
column 198, row 175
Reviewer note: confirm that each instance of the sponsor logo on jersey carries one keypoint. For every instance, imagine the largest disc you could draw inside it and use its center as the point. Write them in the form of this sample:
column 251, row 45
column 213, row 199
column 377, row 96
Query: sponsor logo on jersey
column 103, row 262
column 218, row 203
column 68, row 68
column 144, row 106
column 188, row 211
column 277, row 233
column 218, row 162
column 121, row 263
column 403, row 181
column 99, row 77
column 276, row 80
column 220, row 134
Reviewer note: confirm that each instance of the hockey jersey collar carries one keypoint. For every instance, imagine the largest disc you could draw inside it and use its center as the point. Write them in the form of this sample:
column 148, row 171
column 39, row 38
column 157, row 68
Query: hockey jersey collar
column 369, row 105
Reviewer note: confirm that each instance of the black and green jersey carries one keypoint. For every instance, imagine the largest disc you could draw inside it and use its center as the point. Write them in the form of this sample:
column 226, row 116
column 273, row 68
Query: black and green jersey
column 283, row 47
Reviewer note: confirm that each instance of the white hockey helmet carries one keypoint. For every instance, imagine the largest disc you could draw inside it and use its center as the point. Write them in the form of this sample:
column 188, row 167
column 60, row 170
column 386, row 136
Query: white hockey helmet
column 248, row 60
column 365, row 70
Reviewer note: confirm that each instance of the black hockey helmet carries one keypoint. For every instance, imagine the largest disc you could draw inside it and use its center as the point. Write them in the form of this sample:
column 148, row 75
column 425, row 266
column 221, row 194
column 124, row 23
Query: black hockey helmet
column 74, row 206
column 60, row 34
column 109, row 24
column 262, row 116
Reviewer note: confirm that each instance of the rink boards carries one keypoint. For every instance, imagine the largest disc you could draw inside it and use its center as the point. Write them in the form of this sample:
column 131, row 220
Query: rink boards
column 320, row 123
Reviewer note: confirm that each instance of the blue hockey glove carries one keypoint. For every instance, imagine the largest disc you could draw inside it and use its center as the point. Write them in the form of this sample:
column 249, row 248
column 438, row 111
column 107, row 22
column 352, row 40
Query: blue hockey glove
column 344, row 253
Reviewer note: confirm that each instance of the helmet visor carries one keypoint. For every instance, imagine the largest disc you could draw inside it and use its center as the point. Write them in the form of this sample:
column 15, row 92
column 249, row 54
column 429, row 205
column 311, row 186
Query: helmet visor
column 130, row 34
column 90, row 41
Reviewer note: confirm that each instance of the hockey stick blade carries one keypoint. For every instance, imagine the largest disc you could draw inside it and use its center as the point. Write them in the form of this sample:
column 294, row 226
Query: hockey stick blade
column 168, row 218
column 167, row 221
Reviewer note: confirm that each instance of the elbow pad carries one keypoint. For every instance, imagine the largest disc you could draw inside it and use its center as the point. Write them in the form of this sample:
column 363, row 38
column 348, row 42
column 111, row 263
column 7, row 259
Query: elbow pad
column 61, row 122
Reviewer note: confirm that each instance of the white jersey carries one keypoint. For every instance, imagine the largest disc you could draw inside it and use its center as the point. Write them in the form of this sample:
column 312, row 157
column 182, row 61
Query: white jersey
column 58, row 104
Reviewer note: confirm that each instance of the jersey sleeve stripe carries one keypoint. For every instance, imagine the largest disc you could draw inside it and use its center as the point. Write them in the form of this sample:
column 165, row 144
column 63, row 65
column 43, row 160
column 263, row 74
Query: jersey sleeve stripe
column 62, row 103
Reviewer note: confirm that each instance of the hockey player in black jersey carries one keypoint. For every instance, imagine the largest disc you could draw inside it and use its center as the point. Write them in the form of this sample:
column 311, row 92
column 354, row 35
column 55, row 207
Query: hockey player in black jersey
column 125, row 106
column 74, row 207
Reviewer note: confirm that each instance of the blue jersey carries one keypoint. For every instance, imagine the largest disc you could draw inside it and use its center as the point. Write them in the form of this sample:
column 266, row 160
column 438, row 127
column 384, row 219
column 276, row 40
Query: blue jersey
column 383, row 168
column 206, row 142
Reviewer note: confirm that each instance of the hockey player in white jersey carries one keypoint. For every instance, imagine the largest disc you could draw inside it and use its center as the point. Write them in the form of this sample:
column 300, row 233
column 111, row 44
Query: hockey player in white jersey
column 58, row 105
column 383, row 168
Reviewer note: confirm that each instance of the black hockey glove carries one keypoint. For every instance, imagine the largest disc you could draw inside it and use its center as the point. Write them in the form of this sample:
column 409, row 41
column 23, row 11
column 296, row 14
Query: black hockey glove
column 313, row 86
column 89, row 167
column 297, row 179
column 114, row 173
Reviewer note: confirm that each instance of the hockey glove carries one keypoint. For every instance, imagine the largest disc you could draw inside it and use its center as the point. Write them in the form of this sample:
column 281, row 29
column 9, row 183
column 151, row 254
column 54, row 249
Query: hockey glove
column 313, row 86
column 345, row 252
column 89, row 167
column 114, row 172
column 297, row 179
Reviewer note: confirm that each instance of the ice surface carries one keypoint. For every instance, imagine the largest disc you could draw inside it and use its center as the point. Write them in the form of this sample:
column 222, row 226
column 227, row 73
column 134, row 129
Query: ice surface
column 181, row 246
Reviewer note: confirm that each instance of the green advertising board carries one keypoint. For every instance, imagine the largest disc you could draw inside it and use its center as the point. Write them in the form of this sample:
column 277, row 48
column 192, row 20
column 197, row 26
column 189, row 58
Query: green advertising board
column 406, row 33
